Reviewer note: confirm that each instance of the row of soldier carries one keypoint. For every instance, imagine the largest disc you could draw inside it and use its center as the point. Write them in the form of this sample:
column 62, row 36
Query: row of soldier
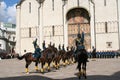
column 93, row 54
column 104, row 54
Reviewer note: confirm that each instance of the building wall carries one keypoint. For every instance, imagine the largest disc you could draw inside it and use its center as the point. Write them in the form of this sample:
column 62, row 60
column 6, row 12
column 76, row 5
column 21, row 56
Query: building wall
column 48, row 14
column 106, row 12
column 27, row 23
column 7, row 36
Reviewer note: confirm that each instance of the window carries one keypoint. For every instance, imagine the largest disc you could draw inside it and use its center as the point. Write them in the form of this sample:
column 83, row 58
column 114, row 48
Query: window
column 29, row 7
column 109, row 44
column 13, row 38
column 104, row 2
column 106, row 28
column 53, row 5
column 29, row 32
column 53, row 30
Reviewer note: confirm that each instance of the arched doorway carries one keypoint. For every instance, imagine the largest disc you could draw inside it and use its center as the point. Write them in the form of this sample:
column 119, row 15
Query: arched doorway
column 78, row 19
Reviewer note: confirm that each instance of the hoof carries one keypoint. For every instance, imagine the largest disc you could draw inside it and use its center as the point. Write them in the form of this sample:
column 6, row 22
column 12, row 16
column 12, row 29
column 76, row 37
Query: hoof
column 27, row 73
column 48, row 69
column 41, row 70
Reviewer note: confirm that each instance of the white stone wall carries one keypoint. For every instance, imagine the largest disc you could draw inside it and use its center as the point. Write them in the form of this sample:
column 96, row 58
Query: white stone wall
column 44, row 15
column 108, row 14
column 26, row 20
column 105, row 13
column 102, row 40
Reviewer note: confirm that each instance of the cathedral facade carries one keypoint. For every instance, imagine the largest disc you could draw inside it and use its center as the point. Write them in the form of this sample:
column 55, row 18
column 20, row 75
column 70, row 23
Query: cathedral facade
column 59, row 22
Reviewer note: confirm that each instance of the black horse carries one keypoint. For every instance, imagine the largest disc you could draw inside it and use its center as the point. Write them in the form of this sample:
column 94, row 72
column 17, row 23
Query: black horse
column 82, row 62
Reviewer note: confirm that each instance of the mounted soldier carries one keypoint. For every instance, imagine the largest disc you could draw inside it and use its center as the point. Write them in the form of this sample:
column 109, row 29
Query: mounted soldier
column 43, row 45
column 59, row 47
column 79, row 43
column 37, row 52
column 63, row 48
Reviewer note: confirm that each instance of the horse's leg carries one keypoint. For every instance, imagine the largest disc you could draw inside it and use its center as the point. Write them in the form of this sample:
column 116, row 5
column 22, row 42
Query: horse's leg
column 26, row 66
column 64, row 62
column 72, row 59
column 42, row 65
column 49, row 66
column 36, row 66
column 80, row 72
column 56, row 64
column 84, row 70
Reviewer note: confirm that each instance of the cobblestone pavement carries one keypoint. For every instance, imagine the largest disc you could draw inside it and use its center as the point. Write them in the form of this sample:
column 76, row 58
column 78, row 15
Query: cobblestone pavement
column 101, row 69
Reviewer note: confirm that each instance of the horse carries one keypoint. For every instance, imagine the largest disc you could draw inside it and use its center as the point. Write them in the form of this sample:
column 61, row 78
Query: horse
column 70, row 55
column 47, row 57
column 29, row 59
column 67, row 56
column 82, row 62
column 63, row 56
column 57, row 57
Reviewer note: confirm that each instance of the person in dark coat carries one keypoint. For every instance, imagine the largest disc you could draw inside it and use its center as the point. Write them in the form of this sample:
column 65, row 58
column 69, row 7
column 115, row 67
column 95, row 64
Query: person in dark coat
column 43, row 45
column 35, row 43
column 94, row 52
column 79, row 42
column 59, row 47
column 37, row 52
column 63, row 48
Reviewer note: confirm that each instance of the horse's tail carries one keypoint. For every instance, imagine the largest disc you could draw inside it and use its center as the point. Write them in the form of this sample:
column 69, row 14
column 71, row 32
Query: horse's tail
column 20, row 57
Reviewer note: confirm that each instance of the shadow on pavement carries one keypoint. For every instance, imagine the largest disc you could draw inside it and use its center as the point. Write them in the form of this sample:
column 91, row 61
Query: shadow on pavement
column 115, row 76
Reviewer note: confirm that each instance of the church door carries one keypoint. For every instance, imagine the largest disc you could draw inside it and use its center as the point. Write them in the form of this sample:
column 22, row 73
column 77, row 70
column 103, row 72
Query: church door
column 78, row 20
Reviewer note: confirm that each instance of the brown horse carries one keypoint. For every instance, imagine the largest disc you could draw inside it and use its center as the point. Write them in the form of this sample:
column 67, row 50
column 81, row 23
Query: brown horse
column 29, row 59
column 47, row 57
column 70, row 56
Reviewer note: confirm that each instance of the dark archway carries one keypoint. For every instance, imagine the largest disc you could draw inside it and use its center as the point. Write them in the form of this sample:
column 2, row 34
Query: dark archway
column 78, row 19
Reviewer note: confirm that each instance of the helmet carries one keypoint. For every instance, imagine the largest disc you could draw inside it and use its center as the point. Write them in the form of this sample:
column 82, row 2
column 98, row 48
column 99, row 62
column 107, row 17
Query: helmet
column 78, row 35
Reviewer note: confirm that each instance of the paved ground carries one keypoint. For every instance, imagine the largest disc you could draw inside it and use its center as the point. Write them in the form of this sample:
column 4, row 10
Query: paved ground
column 101, row 69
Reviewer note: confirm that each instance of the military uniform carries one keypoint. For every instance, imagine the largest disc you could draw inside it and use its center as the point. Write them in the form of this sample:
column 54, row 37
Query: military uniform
column 37, row 52
column 63, row 48
column 59, row 47
column 43, row 45
column 35, row 43
column 79, row 42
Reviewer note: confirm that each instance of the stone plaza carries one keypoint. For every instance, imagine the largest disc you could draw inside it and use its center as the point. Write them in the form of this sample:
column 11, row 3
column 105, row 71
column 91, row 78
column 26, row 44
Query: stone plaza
column 100, row 69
